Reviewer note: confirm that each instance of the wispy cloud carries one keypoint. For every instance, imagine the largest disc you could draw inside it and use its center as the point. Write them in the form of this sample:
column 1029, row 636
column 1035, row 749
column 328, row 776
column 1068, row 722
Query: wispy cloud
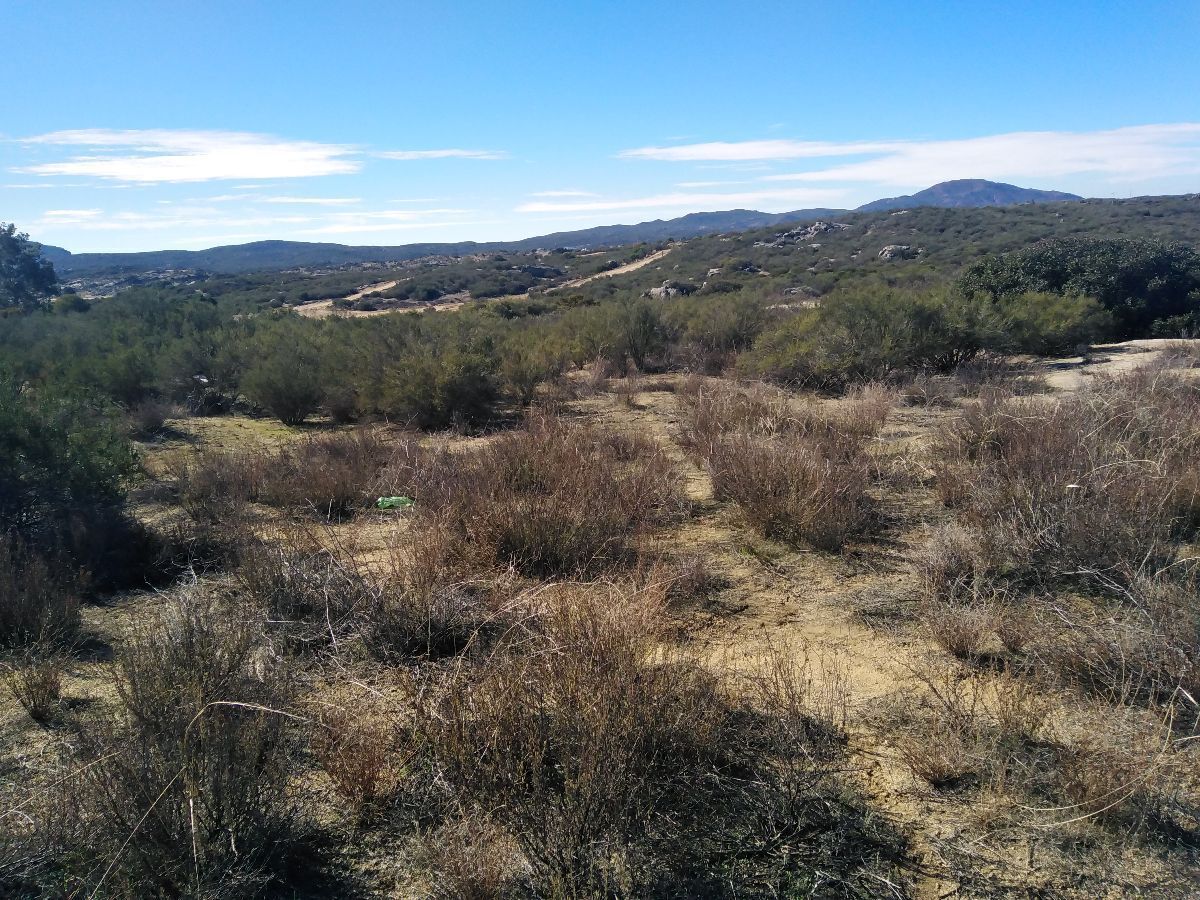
column 449, row 153
column 1122, row 154
column 160, row 155
column 563, row 194
column 71, row 216
column 315, row 201
column 742, row 151
column 791, row 198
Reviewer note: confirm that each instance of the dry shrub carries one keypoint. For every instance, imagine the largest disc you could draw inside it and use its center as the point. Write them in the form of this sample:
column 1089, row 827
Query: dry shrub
column 331, row 475
column 184, row 792
column 211, row 485
column 430, row 605
column 693, row 578
column 932, row 391
column 949, row 563
column 796, row 490
column 618, row 769
column 1143, row 646
column 799, row 474
column 989, row 373
column 550, row 499
column 961, row 628
column 626, row 389
column 39, row 597
column 312, row 597
column 956, row 729
column 148, row 417
column 472, row 860
column 36, row 683
column 1081, row 485
column 361, row 754
column 1181, row 354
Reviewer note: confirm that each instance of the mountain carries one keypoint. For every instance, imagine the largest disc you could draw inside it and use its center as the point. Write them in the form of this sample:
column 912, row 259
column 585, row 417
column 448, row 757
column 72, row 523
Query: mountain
column 269, row 255
column 265, row 255
column 968, row 192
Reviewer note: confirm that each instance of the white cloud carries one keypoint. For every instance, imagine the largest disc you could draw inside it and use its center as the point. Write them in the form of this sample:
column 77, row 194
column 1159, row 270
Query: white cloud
column 70, row 216
column 741, row 151
column 707, row 184
column 786, row 198
column 563, row 194
column 315, row 201
column 450, row 153
column 1123, row 154
column 160, row 155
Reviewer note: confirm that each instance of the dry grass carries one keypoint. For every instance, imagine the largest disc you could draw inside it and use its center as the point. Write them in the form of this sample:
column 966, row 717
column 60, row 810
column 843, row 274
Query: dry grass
column 550, row 499
column 799, row 474
column 39, row 597
column 36, row 683
column 1096, row 483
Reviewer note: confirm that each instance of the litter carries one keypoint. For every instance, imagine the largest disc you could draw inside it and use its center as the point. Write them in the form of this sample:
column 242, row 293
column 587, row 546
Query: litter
column 395, row 502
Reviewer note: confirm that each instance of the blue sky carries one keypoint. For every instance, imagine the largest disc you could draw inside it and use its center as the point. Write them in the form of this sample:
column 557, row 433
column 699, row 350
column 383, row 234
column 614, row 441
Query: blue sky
column 172, row 124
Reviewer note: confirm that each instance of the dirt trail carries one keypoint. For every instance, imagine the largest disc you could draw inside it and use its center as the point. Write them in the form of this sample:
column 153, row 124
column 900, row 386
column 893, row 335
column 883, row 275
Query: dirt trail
column 1075, row 372
column 620, row 270
column 789, row 599
column 322, row 308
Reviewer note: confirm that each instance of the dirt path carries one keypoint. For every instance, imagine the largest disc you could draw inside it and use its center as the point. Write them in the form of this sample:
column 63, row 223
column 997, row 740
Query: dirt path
column 1105, row 359
column 320, row 309
column 621, row 270
column 780, row 597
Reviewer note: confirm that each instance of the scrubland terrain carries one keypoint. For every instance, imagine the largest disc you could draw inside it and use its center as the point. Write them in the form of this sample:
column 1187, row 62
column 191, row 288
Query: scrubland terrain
column 669, row 635
column 739, row 568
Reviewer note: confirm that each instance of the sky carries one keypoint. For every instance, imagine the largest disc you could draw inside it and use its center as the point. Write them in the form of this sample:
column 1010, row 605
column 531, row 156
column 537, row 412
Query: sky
column 167, row 124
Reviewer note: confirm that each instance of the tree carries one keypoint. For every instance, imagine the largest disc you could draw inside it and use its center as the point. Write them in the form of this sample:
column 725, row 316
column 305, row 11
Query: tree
column 1141, row 282
column 27, row 278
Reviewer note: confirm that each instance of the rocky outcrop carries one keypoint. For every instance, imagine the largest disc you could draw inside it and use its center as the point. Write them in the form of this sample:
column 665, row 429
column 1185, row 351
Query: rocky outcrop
column 803, row 234
column 671, row 289
column 898, row 251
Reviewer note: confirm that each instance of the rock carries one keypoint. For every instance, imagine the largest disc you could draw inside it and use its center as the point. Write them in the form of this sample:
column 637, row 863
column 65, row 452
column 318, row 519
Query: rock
column 898, row 251
column 804, row 234
column 671, row 289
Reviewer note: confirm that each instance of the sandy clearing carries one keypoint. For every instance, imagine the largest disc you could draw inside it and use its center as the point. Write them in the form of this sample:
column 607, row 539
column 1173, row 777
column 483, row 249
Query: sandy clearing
column 1076, row 372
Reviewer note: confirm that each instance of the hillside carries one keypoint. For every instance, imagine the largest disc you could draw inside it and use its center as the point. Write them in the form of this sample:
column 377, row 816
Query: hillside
column 968, row 192
column 276, row 255
column 268, row 255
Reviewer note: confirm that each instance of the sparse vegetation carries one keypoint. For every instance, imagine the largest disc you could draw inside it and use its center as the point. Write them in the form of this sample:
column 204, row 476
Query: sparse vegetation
column 596, row 656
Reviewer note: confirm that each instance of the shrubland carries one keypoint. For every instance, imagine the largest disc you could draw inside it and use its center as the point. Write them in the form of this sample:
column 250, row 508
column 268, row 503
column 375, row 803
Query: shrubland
column 599, row 656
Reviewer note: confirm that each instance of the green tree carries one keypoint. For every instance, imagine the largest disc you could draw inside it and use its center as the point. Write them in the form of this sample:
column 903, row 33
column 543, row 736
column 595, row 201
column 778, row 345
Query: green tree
column 27, row 279
column 1139, row 281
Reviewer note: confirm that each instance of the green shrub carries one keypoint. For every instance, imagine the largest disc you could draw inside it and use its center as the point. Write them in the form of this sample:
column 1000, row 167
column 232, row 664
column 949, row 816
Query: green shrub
column 441, row 389
column 1139, row 281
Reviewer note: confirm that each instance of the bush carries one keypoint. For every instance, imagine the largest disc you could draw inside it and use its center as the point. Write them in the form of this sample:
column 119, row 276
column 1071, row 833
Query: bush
column 1140, row 282
column 799, row 475
column 550, row 499
column 62, row 463
column 39, row 598
column 865, row 335
column 1054, row 325
column 289, row 390
column 440, row 390
column 185, row 793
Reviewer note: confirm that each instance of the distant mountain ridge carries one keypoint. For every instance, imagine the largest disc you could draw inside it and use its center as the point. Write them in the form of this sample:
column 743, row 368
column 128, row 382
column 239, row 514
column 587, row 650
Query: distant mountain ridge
column 969, row 192
column 265, row 255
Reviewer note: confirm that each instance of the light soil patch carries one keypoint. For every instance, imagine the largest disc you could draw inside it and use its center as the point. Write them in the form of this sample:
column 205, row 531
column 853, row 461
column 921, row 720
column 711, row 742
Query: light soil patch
column 1076, row 372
